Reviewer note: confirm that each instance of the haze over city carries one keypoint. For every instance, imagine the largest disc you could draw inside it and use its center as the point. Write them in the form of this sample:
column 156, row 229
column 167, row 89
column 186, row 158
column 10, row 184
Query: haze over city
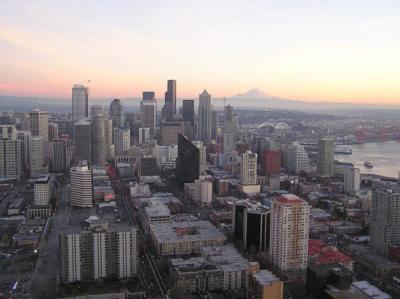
column 336, row 51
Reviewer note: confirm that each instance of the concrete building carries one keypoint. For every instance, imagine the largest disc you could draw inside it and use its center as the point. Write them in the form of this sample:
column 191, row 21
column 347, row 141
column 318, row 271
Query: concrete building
column 170, row 131
column 326, row 149
column 97, row 110
column 122, row 140
column 185, row 237
column 166, row 156
column 148, row 167
column 385, row 213
column 265, row 285
column 53, row 131
column 144, row 135
column 98, row 250
column 116, row 113
column 202, row 156
column 25, row 139
column 39, row 123
column 98, row 145
column 148, row 107
column 229, row 130
column 352, row 180
column 297, row 158
column 169, row 110
column 203, row 191
column 289, row 233
column 204, row 114
column 81, row 193
column 60, row 158
column 248, row 169
column 270, row 163
column 42, row 191
column 108, row 139
column 80, row 102
column 188, row 111
column 83, row 141
column 36, row 154
column 10, row 158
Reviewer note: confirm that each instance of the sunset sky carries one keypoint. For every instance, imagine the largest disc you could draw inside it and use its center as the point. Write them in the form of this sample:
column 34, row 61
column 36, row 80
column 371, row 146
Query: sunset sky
column 331, row 50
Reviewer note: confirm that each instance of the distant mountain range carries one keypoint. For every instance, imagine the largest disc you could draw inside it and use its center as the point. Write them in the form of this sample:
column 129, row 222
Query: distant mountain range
column 252, row 99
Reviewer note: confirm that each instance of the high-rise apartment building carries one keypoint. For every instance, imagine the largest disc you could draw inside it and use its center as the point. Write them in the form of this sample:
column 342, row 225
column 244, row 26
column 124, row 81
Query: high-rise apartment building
column 80, row 102
column 352, row 180
column 10, row 152
column 98, row 250
column 148, row 108
column 326, row 149
column 169, row 110
column 42, row 191
column 81, row 193
column 297, row 158
column 39, row 123
column 36, row 154
column 385, row 216
column 270, row 162
column 289, row 233
column 122, row 140
column 117, row 113
column 204, row 114
column 248, row 169
column 83, row 141
column 229, row 130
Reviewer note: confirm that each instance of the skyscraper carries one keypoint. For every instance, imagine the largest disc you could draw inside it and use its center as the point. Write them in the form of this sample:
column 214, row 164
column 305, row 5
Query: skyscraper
column 188, row 111
column 326, row 149
column 148, row 108
column 10, row 154
column 297, row 158
column 204, row 113
column 214, row 124
column 108, row 139
column 36, row 155
column 81, row 185
column 256, row 228
column 188, row 161
column 25, row 139
column 122, row 140
column 248, row 169
column 83, row 141
column 229, row 130
column 351, row 180
column 170, row 131
column 169, row 110
column 385, row 216
column 39, row 123
column 53, row 131
column 98, row 141
column 80, row 102
column 144, row 135
column 289, row 233
column 117, row 113
column 96, row 110
column 60, row 155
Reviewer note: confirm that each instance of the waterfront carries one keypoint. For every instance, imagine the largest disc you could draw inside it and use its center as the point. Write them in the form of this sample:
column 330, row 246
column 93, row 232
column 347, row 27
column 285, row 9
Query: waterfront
column 384, row 156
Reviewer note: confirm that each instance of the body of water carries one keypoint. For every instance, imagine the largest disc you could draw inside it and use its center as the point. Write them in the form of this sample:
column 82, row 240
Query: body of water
column 384, row 156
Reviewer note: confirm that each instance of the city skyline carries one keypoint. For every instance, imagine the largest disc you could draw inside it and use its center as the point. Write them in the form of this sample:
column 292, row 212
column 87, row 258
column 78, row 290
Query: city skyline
column 336, row 52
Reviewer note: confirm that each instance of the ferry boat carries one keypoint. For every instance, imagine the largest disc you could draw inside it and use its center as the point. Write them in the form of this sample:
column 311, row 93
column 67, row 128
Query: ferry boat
column 343, row 150
column 368, row 164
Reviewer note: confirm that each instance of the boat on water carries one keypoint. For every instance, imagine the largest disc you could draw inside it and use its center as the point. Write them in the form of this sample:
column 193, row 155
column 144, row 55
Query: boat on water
column 368, row 164
column 343, row 150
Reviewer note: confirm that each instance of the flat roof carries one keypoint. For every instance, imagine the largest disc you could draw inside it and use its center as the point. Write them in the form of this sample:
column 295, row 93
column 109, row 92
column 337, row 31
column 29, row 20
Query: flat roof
column 186, row 231
column 265, row 277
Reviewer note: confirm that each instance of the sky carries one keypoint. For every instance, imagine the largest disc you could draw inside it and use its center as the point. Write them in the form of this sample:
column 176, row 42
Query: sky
column 321, row 50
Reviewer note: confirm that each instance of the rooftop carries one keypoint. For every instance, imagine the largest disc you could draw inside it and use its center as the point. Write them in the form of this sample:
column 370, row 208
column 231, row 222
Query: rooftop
column 265, row 277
